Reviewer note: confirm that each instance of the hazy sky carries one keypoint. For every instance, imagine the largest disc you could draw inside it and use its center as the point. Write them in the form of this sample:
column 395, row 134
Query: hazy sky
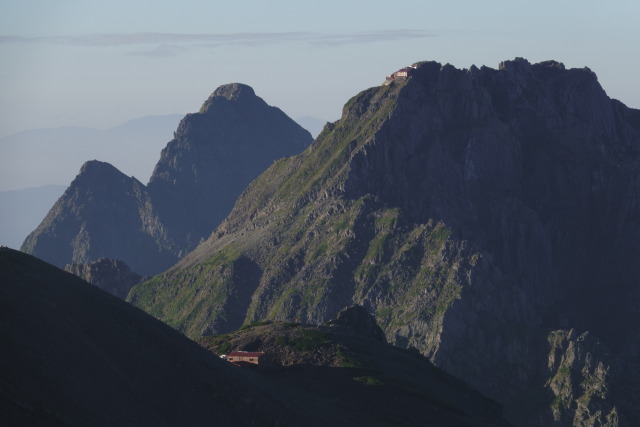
column 101, row 63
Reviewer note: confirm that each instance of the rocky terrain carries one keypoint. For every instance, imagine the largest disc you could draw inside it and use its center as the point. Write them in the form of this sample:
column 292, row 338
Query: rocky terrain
column 110, row 275
column 348, row 361
column 474, row 212
column 79, row 356
column 214, row 155
column 580, row 369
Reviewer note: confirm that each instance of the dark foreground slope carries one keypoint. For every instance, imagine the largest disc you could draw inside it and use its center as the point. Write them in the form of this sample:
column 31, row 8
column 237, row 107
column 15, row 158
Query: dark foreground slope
column 214, row 155
column 112, row 276
column 482, row 214
column 74, row 355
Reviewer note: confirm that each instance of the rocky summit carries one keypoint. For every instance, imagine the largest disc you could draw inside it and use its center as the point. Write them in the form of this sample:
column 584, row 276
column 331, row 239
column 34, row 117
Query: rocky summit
column 214, row 155
column 475, row 212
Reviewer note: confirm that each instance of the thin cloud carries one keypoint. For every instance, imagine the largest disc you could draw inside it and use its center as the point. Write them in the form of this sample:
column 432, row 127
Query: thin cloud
column 169, row 42
column 162, row 51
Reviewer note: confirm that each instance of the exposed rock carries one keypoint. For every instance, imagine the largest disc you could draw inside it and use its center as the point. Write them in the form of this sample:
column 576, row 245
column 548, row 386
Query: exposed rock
column 358, row 321
column 471, row 210
column 110, row 275
column 214, row 155
column 580, row 378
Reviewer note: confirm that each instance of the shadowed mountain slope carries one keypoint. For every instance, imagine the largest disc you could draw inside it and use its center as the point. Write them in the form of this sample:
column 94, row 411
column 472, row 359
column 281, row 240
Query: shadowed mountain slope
column 474, row 211
column 75, row 355
column 214, row 155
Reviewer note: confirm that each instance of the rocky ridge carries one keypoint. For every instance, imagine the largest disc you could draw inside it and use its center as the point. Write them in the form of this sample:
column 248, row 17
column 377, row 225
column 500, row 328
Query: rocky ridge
column 110, row 275
column 473, row 211
column 214, row 155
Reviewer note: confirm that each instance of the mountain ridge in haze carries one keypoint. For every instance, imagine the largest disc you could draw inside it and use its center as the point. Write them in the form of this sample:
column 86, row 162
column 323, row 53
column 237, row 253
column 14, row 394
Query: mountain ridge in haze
column 37, row 157
column 22, row 210
column 211, row 159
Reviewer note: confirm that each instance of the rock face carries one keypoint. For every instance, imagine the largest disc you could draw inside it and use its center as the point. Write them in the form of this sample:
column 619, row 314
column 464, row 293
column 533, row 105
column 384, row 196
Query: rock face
column 473, row 211
column 110, row 275
column 357, row 320
column 213, row 157
column 580, row 380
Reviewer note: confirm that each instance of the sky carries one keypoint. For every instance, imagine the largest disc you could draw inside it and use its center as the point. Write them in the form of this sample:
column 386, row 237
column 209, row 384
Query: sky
column 99, row 64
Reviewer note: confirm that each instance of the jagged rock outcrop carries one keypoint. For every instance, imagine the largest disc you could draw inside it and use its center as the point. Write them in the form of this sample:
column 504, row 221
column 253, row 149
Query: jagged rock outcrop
column 110, row 275
column 473, row 211
column 213, row 157
column 580, row 378
column 357, row 320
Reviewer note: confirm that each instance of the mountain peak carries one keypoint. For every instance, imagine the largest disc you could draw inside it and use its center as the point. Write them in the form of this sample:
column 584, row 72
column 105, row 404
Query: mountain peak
column 231, row 92
column 96, row 166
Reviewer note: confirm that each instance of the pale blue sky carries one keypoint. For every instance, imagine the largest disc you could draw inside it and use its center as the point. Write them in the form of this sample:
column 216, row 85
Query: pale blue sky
column 99, row 64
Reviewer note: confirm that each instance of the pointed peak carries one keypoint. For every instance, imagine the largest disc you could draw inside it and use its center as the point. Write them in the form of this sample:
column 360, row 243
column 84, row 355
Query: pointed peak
column 95, row 172
column 236, row 92
column 96, row 166
column 233, row 91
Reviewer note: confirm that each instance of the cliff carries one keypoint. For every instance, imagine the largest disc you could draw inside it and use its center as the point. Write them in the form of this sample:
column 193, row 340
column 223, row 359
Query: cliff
column 474, row 211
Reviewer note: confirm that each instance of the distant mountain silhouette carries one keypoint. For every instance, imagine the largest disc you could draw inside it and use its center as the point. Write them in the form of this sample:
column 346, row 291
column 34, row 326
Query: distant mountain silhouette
column 213, row 157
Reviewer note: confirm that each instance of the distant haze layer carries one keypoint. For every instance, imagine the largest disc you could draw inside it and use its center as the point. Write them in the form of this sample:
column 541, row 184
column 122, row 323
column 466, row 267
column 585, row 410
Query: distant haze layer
column 40, row 157
column 22, row 210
